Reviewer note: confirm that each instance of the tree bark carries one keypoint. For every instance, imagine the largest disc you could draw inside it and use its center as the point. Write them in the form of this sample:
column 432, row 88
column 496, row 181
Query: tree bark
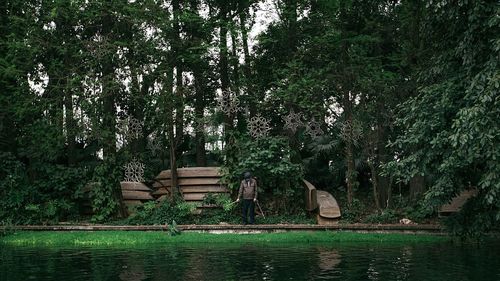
column 417, row 187
column 170, row 116
column 223, row 67
column 351, row 169
column 70, row 125
column 201, row 159
column 374, row 176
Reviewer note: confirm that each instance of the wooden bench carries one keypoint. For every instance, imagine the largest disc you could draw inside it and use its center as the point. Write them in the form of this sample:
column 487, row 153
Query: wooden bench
column 328, row 208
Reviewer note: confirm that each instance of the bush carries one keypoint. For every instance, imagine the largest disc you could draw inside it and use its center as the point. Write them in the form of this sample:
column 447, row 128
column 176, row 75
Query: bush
column 104, row 197
column 162, row 213
column 354, row 212
column 269, row 161
column 387, row 216
column 14, row 191
column 46, row 196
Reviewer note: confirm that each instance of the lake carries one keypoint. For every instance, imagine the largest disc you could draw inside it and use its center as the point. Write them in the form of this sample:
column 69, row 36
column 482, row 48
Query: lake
column 344, row 261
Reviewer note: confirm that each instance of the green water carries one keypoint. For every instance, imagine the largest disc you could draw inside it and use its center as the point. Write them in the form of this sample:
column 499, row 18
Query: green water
column 346, row 261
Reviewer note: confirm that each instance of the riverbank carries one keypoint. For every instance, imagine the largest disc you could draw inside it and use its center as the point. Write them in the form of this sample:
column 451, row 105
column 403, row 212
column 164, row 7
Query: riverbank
column 238, row 228
column 124, row 238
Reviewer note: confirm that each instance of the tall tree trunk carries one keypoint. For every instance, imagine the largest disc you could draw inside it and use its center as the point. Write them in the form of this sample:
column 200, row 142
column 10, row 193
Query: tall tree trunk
column 290, row 18
column 417, row 187
column 109, row 106
column 177, row 136
column 381, row 156
column 374, row 176
column 241, row 125
column 246, row 60
column 223, row 67
column 244, row 39
column 201, row 159
column 290, row 14
column 349, row 149
column 70, row 124
column 169, row 104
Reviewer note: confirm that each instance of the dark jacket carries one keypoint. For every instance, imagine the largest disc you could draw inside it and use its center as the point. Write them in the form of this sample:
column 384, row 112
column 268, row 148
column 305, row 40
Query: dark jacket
column 248, row 190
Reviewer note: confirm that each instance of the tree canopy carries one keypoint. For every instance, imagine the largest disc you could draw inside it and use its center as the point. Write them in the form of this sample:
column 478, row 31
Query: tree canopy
column 355, row 95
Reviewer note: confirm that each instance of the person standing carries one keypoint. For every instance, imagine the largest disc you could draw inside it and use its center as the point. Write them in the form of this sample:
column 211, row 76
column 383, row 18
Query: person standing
column 248, row 191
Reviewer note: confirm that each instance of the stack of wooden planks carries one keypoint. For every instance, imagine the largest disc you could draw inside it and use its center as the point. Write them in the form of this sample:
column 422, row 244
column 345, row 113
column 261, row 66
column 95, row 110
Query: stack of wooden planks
column 134, row 194
column 457, row 202
column 194, row 183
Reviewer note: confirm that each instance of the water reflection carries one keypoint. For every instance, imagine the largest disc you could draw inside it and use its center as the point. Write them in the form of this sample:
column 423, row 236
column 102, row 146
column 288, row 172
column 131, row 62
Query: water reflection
column 254, row 262
column 132, row 270
column 328, row 258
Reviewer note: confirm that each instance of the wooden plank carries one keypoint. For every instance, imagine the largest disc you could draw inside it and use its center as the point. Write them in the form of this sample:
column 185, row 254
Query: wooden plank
column 326, row 221
column 199, row 181
column 196, row 172
column 203, row 188
column 195, row 196
column 161, row 183
column 162, row 198
column 160, row 191
column 129, row 185
column 328, row 206
column 458, row 201
column 188, row 181
column 136, row 195
column 132, row 202
column 311, row 196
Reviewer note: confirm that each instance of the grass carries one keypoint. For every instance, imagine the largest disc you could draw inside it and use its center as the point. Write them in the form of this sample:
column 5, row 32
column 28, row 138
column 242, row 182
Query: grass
column 130, row 238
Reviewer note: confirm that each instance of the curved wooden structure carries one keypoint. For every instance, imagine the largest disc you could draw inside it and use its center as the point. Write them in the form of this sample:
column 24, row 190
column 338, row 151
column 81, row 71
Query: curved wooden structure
column 311, row 200
column 328, row 208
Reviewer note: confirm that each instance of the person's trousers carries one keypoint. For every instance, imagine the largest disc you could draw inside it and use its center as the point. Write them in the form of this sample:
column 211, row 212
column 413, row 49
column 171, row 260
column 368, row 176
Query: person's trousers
column 248, row 211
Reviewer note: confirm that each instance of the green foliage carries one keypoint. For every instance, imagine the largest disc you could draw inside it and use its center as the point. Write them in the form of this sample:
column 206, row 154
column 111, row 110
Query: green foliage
column 382, row 65
column 7, row 228
column 130, row 238
column 161, row 213
column 386, row 216
column 46, row 199
column 472, row 222
column 218, row 216
column 209, row 199
column 415, row 211
column 14, row 191
column 222, row 200
column 298, row 218
column 269, row 161
column 173, row 230
column 353, row 213
column 104, row 194
column 450, row 130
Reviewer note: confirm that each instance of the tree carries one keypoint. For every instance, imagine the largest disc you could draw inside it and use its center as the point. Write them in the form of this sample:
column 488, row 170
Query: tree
column 450, row 129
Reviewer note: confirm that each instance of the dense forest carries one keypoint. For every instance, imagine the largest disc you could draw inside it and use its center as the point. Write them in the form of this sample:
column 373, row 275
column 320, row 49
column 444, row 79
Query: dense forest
column 394, row 101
